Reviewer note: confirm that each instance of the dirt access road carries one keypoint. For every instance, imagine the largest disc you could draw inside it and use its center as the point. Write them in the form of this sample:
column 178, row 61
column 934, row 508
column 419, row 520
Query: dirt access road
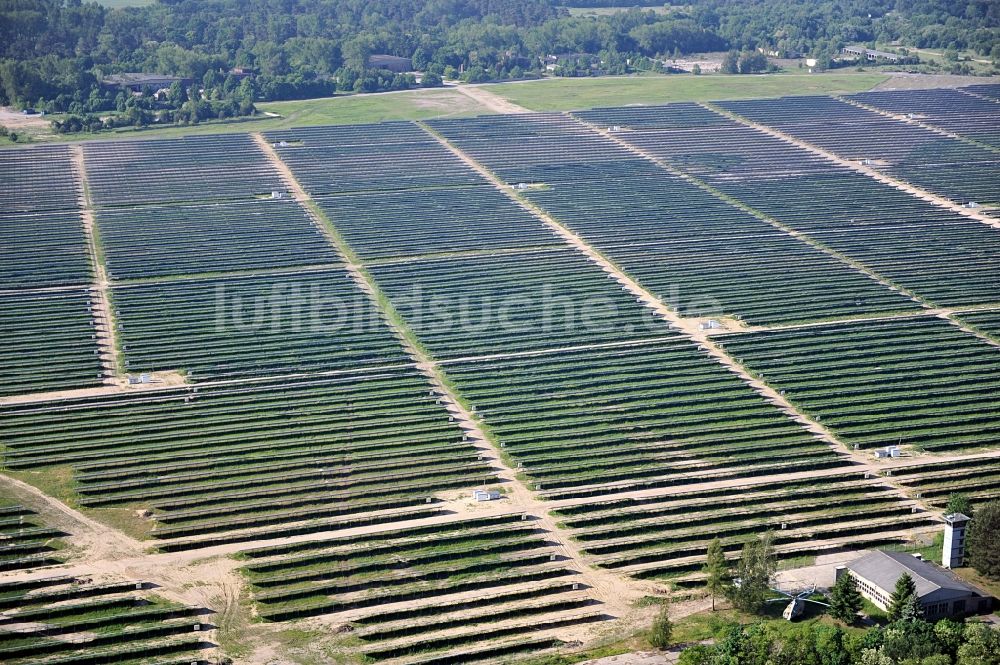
column 493, row 102
column 611, row 589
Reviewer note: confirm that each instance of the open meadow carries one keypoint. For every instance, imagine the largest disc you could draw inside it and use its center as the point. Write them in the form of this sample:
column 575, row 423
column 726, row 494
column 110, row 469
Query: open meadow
column 551, row 94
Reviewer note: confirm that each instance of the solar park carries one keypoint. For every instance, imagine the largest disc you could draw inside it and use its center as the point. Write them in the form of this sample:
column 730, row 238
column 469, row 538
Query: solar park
column 467, row 390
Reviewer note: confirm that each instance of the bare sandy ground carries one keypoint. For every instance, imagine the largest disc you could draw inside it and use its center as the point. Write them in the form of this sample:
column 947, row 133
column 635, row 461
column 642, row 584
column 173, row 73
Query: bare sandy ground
column 116, row 386
column 448, row 101
column 13, row 119
column 106, row 334
column 492, row 101
column 638, row 658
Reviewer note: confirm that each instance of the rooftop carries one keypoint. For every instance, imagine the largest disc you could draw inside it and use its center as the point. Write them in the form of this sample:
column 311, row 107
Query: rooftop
column 870, row 51
column 384, row 57
column 884, row 568
column 135, row 78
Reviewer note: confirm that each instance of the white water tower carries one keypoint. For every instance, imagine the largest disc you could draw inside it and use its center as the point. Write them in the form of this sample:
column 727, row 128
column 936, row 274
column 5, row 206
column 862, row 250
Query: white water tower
column 955, row 526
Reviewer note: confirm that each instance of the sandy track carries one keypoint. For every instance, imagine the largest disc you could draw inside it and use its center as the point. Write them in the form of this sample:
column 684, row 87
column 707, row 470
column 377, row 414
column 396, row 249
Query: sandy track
column 608, row 588
column 687, row 326
column 885, row 179
column 106, row 336
column 161, row 381
column 490, row 100
column 798, row 235
column 918, row 123
column 94, row 540
column 860, row 460
column 860, row 168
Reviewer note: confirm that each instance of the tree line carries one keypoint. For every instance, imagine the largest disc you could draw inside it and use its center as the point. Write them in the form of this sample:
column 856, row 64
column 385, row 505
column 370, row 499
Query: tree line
column 53, row 53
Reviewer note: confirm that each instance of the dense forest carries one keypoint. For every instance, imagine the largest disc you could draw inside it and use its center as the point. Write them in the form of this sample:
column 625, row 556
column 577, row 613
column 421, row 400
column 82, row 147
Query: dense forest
column 53, row 53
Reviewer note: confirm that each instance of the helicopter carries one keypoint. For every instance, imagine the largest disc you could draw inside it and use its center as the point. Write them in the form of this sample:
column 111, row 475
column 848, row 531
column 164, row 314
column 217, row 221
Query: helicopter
column 798, row 602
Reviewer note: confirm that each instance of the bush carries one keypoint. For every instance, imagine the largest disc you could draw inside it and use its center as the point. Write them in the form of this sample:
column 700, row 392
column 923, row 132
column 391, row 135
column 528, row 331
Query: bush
column 662, row 628
column 751, row 62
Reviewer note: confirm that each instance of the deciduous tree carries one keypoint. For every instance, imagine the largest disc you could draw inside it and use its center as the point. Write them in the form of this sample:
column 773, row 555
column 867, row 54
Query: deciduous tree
column 983, row 540
column 958, row 503
column 753, row 575
column 982, row 646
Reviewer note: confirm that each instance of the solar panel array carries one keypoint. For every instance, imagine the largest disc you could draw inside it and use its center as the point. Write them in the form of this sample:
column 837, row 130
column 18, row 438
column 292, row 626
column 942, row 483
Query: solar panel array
column 658, row 324
column 955, row 169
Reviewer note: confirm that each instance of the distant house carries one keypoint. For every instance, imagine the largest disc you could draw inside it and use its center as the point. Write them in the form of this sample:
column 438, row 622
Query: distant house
column 240, row 73
column 137, row 81
column 871, row 54
column 942, row 594
column 571, row 60
column 773, row 52
column 391, row 62
column 512, row 59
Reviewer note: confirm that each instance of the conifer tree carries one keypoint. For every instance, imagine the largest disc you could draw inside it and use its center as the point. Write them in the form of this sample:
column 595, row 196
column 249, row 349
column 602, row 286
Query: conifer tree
column 901, row 599
column 845, row 599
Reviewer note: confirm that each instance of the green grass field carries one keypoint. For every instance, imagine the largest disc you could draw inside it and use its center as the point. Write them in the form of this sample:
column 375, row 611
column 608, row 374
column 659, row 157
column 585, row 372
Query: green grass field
column 543, row 95
column 581, row 93
column 409, row 105
column 345, row 110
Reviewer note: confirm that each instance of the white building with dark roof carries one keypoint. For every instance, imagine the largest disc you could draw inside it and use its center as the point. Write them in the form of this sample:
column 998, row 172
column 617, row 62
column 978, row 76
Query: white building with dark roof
column 941, row 592
column 871, row 54
column 138, row 81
